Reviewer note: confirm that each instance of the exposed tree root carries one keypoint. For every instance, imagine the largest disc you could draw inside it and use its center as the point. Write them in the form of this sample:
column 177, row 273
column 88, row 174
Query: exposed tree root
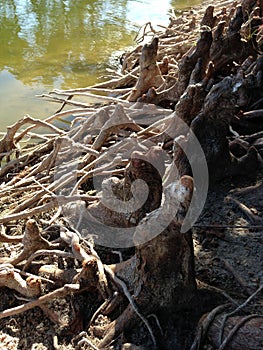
column 122, row 178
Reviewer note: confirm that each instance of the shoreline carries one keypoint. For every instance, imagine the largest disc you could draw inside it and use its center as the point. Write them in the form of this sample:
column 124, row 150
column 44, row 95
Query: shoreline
column 185, row 110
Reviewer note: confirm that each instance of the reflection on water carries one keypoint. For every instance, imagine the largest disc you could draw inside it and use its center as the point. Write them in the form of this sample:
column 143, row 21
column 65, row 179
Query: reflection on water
column 65, row 40
column 48, row 44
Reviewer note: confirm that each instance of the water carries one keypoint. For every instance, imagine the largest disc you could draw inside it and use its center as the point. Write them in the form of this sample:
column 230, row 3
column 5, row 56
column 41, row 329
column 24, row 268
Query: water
column 46, row 44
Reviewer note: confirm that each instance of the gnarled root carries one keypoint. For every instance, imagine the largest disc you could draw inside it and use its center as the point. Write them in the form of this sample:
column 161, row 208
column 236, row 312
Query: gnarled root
column 125, row 321
column 150, row 74
column 164, row 267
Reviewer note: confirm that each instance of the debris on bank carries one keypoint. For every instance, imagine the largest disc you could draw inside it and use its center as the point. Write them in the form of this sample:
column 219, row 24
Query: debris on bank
column 128, row 160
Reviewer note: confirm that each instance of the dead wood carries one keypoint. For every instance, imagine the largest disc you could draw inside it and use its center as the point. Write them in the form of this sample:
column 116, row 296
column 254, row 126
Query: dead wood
column 7, row 238
column 159, row 264
column 9, row 277
column 32, row 241
column 150, row 74
column 148, row 168
column 129, row 165
column 61, row 292
column 240, row 332
column 211, row 127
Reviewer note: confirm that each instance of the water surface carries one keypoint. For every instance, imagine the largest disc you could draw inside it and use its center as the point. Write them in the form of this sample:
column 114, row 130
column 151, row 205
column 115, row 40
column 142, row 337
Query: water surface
column 46, row 44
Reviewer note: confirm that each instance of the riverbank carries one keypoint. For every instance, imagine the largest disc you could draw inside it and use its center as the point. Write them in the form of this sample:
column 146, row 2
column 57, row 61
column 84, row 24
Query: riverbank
column 73, row 199
column 64, row 45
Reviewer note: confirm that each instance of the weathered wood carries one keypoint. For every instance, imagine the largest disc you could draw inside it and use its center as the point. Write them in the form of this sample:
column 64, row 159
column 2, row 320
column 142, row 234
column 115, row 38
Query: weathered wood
column 210, row 77
column 164, row 270
column 150, row 74
column 248, row 336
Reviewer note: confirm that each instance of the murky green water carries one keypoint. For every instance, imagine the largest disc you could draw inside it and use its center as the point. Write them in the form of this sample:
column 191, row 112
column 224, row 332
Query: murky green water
column 46, row 44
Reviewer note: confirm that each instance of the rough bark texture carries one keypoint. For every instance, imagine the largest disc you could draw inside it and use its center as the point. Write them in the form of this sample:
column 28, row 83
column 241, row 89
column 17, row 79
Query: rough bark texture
column 210, row 79
column 163, row 273
column 144, row 166
column 150, row 73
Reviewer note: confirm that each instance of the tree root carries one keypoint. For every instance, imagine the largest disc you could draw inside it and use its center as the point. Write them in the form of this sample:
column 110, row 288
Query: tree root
column 209, row 77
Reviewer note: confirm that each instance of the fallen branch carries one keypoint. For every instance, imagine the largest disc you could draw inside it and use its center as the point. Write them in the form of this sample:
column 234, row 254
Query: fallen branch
column 58, row 293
